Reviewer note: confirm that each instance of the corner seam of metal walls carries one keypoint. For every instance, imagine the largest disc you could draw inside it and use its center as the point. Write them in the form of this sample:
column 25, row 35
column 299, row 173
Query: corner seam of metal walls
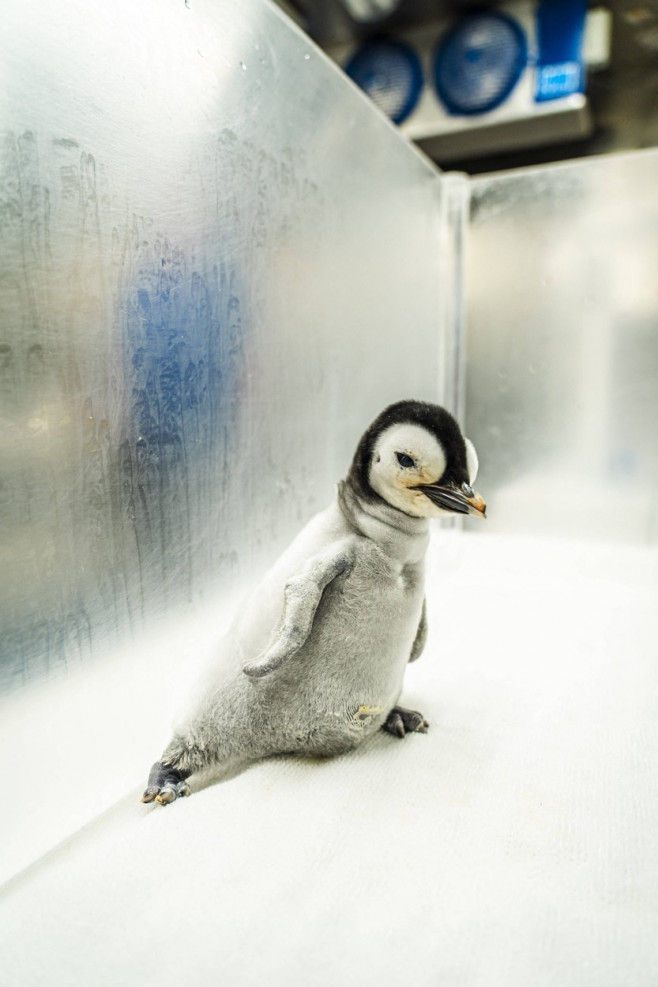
column 455, row 203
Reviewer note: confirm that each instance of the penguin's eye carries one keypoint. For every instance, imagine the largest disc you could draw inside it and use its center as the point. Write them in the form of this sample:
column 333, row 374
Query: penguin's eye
column 404, row 460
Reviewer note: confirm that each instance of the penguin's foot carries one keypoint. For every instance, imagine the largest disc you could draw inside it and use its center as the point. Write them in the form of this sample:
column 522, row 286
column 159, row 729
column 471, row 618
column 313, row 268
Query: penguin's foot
column 165, row 785
column 401, row 721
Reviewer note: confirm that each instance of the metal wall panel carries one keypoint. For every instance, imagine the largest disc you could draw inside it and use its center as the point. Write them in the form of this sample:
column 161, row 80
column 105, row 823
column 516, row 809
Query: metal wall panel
column 562, row 347
column 214, row 255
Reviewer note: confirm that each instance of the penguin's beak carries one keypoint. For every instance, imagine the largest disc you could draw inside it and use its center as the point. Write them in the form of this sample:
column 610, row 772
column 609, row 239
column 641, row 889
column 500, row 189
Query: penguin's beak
column 458, row 500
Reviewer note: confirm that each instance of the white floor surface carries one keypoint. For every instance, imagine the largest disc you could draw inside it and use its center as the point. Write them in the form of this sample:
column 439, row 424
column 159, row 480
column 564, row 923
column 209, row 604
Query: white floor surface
column 515, row 844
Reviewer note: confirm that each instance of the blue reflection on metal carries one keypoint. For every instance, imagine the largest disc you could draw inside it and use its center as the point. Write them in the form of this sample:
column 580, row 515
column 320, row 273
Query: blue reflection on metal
column 116, row 396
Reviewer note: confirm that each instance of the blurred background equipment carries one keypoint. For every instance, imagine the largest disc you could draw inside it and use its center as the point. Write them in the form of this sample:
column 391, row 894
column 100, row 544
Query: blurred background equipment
column 617, row 102
column 490, row 80
column 391, row 73
column 370, row 10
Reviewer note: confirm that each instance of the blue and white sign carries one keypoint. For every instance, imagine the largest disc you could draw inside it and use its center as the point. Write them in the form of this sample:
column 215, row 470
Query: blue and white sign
column 560, row 66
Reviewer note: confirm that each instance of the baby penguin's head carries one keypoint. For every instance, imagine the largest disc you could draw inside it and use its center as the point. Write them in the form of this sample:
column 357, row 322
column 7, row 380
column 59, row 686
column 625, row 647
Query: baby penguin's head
column 415, row 457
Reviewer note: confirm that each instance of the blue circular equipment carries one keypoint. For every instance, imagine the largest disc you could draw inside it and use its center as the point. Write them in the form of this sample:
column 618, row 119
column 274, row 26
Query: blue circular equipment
column 478, row 63
column 390, row 73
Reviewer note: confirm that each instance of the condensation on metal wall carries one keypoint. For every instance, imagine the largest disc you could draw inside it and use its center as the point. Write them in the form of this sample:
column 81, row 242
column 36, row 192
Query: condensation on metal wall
column 214, row 257
column 562, row 347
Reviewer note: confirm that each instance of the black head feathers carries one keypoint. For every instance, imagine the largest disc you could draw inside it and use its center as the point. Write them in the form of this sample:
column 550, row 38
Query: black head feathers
column 435, row 419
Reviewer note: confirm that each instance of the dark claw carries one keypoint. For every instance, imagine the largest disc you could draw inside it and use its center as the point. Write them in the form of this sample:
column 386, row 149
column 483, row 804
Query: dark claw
column 415, row 723
column 401, row 721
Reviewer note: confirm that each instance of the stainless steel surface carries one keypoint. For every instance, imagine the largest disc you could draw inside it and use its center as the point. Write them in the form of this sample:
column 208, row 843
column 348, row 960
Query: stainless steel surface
column 217, row 263
column 454, row 229
column 562, row 347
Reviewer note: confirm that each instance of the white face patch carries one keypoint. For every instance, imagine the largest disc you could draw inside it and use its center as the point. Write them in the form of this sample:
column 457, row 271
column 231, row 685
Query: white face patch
column 394, row 481
column 472, row 463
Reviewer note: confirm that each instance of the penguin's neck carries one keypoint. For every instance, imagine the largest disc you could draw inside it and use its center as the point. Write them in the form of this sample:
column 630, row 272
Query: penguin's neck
column 402, row 537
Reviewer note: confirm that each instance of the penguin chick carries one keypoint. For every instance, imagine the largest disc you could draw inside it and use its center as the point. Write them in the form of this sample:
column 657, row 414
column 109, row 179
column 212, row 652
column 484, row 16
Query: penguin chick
column 314, row 660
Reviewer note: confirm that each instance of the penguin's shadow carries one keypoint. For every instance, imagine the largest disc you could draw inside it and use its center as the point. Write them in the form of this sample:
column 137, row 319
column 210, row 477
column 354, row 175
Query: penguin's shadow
column 219, row 773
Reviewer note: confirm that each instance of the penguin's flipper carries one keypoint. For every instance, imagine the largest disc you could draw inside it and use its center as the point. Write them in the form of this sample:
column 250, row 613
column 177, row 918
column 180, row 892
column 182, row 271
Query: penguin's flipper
column 421, row 635
column 401, row 721
column 302, row 596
